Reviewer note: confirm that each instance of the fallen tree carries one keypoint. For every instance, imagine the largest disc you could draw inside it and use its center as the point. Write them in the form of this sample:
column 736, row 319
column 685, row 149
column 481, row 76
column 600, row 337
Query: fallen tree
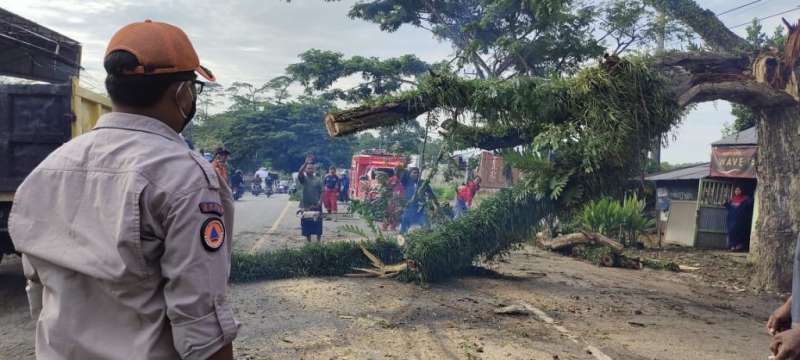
column 588, row 130
column 625, row 89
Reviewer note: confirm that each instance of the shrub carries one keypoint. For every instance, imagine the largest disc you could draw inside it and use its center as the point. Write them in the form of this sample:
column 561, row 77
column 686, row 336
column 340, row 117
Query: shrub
column 623, row 221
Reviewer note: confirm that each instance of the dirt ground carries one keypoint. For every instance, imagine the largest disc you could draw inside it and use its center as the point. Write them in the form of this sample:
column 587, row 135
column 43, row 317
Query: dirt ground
column 598, row 313
column 575, row 310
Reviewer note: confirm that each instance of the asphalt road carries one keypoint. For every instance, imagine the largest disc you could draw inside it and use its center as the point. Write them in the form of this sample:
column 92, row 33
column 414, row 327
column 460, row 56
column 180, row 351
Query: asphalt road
column 263, row 224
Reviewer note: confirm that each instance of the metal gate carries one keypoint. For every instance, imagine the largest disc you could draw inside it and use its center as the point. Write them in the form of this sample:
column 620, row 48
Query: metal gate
column 712, row 227
column 34, row 121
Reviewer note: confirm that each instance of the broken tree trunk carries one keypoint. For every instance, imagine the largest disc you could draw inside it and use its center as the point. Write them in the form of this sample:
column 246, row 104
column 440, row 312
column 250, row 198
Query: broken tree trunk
column 369, row 117
column 582, row 238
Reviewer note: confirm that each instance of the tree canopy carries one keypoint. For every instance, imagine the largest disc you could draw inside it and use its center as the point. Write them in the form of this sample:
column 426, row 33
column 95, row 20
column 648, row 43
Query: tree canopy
column 276, row 135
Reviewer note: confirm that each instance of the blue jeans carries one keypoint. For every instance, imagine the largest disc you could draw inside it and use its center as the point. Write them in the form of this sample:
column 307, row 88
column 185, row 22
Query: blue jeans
column 412, row 215
column 460, row 209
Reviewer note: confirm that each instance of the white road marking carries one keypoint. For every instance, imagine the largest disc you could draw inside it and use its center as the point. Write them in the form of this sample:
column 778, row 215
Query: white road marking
column 272, row 229
column 597, row 353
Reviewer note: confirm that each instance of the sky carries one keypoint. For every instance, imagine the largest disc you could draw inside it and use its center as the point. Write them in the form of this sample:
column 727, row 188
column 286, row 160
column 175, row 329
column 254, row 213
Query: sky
column 254, row 41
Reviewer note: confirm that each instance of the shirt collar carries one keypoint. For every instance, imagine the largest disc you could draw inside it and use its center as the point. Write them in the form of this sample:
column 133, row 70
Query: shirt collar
column 134, row 122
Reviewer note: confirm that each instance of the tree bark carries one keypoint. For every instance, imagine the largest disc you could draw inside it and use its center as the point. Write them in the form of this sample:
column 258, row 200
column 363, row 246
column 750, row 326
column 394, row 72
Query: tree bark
column 778, row 170
column 368, row 117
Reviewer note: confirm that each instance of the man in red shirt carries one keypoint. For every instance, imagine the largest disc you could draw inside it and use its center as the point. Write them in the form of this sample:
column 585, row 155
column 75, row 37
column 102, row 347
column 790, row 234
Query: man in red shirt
column 465, row 195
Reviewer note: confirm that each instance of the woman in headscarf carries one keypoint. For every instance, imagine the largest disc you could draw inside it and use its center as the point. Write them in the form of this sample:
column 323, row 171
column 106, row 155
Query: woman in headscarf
column 740, row 217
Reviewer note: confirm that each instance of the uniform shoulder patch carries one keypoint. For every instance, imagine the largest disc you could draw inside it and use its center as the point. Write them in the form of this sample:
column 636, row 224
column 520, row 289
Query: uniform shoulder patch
column 212, row 234
column 212, row 208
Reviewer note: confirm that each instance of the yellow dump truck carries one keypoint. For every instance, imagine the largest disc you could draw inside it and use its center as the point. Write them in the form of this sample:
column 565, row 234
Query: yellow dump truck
column 34, row 121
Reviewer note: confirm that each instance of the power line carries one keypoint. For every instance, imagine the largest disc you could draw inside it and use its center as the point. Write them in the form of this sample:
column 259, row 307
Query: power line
column 738, row 7
column 767, row 17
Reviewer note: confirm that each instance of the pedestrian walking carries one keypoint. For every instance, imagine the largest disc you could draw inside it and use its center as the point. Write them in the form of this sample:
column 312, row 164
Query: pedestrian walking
column 129, row 256
column 333, row 186
column 310, row 201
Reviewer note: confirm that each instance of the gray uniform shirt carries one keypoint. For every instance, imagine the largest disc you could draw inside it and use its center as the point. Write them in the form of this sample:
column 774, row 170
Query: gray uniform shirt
column 125, row 235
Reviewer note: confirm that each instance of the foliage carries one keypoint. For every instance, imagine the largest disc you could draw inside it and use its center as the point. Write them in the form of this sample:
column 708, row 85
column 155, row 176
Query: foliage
column 589, row 130
column 446, row 193
column 314, row 259
column 622, row 221
column 632, row 24
column 484, row 233
column 319, row 70
column 382, row 204
column 281, row 134
column 497, row 37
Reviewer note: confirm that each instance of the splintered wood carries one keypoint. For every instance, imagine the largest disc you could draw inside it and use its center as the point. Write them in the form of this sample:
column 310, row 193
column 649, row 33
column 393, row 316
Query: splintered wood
column 379, row 269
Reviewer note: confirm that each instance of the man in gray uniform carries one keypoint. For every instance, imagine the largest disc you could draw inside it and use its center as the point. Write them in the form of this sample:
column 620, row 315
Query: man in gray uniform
column 784, row 324
column 125, row 232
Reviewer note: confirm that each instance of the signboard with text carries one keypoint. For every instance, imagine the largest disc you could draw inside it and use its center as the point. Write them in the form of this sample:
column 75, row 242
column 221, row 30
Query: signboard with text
column 734, row 162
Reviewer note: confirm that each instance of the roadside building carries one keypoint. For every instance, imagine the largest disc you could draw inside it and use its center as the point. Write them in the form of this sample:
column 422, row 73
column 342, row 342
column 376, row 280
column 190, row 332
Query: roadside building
column 691, row 200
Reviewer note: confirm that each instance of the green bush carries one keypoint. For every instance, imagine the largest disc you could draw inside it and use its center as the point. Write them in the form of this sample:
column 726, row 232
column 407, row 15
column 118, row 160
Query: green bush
column 622, row 221
column 444, row 193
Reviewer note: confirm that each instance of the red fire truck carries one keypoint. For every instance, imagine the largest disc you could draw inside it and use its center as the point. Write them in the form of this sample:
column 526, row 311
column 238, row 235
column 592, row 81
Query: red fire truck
column 365, row 166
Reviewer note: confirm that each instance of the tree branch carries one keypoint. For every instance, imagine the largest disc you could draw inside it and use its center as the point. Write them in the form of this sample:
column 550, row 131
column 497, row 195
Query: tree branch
column 747, row 92
column 706, row 77
column 704, row 23
column 483, row 137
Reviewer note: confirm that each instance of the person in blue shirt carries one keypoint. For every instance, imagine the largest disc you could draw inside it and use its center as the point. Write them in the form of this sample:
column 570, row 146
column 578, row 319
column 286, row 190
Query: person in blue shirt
column 414, row 213
column 344, row 180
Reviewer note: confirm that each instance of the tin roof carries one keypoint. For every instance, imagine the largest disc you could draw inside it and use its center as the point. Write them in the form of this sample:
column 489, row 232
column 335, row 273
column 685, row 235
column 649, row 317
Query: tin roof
column 692, row 172
column 744, row 137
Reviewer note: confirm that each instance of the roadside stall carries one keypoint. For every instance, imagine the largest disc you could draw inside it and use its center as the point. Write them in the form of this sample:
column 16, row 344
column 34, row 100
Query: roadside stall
column 692, row 200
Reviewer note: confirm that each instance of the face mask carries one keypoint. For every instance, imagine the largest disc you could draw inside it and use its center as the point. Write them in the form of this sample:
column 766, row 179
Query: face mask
column 187, row 118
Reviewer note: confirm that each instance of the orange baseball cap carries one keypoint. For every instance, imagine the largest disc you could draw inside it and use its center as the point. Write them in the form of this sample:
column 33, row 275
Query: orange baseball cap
column 161, row 48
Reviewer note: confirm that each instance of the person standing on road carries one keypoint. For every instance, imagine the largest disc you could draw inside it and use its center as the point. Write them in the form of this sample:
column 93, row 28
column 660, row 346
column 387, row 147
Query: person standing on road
column 310, row 201
column 130, row 256
column 344, row 195
column 220, row 163
column 739, row 220
column 332, row 188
